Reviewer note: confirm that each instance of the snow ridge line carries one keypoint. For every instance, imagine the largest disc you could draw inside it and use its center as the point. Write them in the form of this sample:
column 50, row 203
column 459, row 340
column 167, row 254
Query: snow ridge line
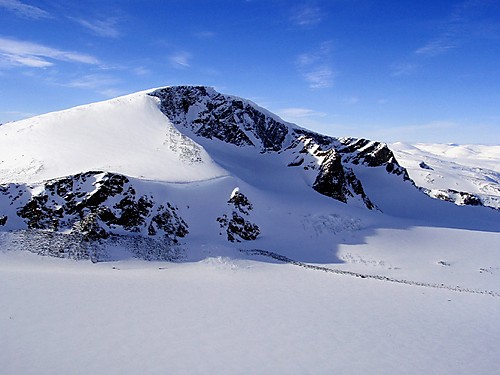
column 284, row 259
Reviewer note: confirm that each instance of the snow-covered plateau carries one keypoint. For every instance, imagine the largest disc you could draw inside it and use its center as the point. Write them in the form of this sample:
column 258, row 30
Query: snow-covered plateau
column 184, row 231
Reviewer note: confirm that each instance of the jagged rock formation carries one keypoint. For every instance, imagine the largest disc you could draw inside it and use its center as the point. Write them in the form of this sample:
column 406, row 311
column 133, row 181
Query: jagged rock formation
column 209, row 114
column 212, row 115
column 339, row 182
column 333, row 178
column 93, row 206
column 237, row 226
column 371, row 154
column 460, row 198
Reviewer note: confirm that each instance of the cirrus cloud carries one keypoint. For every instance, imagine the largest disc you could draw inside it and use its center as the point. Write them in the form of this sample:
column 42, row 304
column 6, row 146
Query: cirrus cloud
column 24, row 10
column 315, row 67
column 306, row 16
column 104, row 28
column 15, row 52
column 180, row 59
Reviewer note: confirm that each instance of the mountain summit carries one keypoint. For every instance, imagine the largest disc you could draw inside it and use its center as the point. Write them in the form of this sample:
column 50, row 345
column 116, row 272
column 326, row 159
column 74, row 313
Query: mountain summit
column 170, row 173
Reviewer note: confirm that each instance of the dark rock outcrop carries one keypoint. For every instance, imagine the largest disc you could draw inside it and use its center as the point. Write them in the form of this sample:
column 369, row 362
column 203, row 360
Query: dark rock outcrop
column 212, row 115
column 460, row 198
column 423, row 165
column 338, row 182
column 237, row 226
column 371, row 154
column 332, row 178
column 94, row 206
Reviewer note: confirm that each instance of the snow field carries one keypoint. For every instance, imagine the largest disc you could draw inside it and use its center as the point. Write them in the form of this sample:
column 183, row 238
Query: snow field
column 469, row 168
column 233, row 317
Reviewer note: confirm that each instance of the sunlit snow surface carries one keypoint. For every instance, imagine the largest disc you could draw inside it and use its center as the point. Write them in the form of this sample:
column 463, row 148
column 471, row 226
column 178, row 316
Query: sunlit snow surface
column 227, row 315
column 128, row 135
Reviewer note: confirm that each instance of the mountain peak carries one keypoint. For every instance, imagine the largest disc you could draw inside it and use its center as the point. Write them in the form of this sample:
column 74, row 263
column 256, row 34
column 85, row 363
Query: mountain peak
column 230, row 119
column 171, row 162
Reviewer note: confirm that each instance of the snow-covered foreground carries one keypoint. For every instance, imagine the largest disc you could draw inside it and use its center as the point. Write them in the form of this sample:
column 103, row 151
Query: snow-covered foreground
column 231, row 314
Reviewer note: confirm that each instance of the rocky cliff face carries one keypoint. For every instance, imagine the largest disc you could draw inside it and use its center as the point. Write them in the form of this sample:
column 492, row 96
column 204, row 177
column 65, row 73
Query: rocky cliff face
column 235, row 121
column 212, row 115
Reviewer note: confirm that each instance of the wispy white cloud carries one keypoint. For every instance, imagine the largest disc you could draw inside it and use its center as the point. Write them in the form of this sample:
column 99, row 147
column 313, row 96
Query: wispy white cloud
column 319, row 77
column 306, row 15
column 294, row 113
column 205, row 34
column 306, row 117
column 20, row 60
column 21, row 53
column 180, row 59
column 453, row 29
column 105, row 27
column 101, row 83
column 92, row 81
column 24, row 10
column 437, row 46
column 141, row 71
column 444, row 130
column 351, row 100
column 403, row 69
column 461, row 24
column 315, row 67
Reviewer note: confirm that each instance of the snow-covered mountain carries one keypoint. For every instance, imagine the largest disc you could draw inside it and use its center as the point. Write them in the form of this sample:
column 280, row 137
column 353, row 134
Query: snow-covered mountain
column 379, row 276
column 464, row 174
column 157, row 172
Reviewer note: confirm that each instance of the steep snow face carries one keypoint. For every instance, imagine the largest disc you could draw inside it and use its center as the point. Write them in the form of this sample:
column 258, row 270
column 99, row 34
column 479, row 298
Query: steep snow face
column 466, row 175
column 128, row 135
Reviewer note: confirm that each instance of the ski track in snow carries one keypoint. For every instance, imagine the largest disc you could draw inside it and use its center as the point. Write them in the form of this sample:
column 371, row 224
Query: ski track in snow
column 285, row 259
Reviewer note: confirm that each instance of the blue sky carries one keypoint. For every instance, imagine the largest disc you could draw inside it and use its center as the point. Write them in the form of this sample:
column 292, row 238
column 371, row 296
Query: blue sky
column 416, row 71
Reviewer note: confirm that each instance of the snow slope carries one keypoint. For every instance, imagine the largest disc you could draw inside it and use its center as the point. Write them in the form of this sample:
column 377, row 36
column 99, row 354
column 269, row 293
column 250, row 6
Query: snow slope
column 128, row 135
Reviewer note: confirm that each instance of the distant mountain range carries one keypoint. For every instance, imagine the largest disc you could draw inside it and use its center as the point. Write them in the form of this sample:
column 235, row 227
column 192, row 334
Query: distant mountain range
column 175, row 172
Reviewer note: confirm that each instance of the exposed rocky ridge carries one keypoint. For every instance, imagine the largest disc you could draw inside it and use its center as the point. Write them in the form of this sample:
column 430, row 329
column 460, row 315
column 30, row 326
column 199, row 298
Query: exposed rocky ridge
column 372, row 154
column 235, row 121
column 331, row 177
column 212, row 115
column 90, row 207
column 460, row 198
